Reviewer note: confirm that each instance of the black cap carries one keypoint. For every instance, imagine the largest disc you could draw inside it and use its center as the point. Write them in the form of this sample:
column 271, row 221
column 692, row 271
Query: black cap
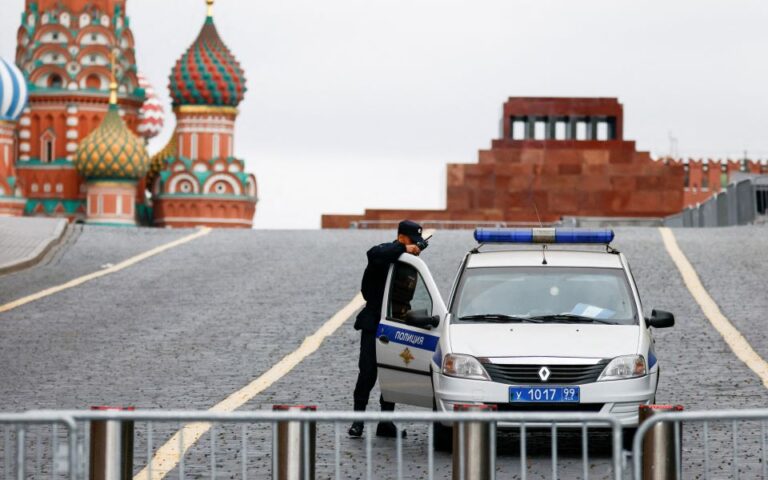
column 411, row 230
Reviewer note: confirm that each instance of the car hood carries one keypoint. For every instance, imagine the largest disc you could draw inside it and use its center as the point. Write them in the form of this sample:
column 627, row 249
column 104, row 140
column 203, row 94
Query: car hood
column 552, row 340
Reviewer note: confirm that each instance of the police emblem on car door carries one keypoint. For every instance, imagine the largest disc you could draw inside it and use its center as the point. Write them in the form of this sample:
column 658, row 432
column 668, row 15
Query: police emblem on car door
column 406, row 336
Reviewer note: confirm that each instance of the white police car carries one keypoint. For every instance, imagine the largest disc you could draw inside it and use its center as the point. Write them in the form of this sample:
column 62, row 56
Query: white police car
column 554, row 327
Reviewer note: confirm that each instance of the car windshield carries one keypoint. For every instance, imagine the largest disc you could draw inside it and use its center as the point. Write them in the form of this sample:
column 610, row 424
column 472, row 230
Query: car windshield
column 544, row 295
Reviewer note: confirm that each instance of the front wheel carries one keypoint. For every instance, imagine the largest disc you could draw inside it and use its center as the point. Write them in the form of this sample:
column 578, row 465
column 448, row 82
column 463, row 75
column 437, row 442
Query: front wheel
column 443, row 437
column 628, row 436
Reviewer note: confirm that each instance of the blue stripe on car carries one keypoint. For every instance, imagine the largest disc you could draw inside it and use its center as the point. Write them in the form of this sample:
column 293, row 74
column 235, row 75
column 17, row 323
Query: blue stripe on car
column 651, row 358
column 438, row 357
column 408, row 337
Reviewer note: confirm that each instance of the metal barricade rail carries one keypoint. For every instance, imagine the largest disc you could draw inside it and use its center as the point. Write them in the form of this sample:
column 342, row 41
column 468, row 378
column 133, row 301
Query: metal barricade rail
column 241, row 445
column 737, row 435
column 21, row 422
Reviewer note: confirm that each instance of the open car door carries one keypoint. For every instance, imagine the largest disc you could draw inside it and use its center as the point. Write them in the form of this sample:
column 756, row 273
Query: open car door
column 408, row 333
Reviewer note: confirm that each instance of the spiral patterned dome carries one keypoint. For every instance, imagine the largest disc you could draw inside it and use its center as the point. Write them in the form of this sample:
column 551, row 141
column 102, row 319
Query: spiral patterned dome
column 13, row 91
column 112, row 151
column 151, row 115
column 207, row 73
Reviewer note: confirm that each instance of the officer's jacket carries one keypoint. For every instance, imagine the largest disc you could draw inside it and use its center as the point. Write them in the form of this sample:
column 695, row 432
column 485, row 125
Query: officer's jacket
column 374, row 279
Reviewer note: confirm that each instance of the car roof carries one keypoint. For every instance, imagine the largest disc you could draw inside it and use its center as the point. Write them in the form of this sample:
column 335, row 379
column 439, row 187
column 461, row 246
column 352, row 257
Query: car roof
column 555, row 258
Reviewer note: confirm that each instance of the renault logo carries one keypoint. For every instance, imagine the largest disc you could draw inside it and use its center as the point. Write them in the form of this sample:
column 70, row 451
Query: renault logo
column 544, row 374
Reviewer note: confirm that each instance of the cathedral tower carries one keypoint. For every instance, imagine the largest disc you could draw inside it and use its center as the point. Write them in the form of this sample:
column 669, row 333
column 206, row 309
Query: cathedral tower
column 112, row 160
column 63, row 49
column 196, row 179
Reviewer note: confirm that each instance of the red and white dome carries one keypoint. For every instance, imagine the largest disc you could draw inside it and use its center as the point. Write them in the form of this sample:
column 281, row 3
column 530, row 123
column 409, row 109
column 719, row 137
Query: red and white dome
column 207, row 73
column 151, row 114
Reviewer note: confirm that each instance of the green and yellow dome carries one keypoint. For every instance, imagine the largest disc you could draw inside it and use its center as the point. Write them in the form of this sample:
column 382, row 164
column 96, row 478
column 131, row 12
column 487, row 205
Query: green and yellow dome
column 158, row 161
column 112, row 151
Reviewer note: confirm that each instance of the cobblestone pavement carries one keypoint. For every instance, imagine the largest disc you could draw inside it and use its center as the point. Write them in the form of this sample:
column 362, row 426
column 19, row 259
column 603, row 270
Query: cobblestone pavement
column 24, row 239
column 700, row 371
column 86, row 249
column 188, row 327
column 733, row 265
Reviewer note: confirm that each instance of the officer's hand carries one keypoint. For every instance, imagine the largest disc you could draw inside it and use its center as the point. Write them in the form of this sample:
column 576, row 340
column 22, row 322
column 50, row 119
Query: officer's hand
column 412, row 249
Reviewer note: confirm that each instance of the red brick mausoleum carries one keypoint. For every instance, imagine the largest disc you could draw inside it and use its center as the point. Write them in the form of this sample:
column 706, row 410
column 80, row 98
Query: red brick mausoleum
column 568, row 157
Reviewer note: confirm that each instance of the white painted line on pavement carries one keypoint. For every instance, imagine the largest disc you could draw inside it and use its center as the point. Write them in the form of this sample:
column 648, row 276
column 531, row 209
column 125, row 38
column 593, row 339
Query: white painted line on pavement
column 167, row 457
column 106, row 271
column 735, row 340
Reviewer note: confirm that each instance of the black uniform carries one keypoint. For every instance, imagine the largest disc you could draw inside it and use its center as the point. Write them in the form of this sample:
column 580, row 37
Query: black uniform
column 380, row 258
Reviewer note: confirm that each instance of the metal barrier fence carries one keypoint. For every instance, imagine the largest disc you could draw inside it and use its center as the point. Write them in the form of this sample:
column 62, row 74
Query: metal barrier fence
column 15, row 429
column 57, row 445
column 761, row 196
column 248, row 444
column 718, row 444
column 740, row 203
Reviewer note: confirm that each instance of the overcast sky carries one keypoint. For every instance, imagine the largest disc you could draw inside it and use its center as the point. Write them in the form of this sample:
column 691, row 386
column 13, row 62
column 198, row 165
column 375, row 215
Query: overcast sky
column 361, row 103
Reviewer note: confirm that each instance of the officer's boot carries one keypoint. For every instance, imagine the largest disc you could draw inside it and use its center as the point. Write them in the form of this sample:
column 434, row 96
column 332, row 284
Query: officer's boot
column 388, row 429
column 356, row 430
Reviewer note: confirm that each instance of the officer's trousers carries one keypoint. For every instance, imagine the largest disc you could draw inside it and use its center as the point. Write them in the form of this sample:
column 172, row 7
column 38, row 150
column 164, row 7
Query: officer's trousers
column 366, row 379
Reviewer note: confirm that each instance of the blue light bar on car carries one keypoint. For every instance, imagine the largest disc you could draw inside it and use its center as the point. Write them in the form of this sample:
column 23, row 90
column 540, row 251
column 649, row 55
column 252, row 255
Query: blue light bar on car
column 543, row 235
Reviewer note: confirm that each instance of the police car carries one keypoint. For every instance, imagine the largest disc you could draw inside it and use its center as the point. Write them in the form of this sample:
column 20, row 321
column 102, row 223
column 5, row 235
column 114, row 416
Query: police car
column 538, row 320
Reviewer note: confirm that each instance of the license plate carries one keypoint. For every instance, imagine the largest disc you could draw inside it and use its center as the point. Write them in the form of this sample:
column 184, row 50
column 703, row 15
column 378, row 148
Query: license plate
column 544, row 394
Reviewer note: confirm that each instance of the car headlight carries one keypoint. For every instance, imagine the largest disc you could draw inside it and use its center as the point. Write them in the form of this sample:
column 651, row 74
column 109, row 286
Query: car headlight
column 628, row 366
column 463, row 366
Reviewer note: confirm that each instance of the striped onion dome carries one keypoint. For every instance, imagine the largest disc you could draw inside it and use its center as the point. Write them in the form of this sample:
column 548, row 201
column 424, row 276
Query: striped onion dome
column 207, row 73
column 111, row 151
column 151, row 115
column 13, row 91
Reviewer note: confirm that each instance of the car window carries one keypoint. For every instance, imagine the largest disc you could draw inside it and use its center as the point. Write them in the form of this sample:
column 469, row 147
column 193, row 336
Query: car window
column 407, row 294
column 598, row 293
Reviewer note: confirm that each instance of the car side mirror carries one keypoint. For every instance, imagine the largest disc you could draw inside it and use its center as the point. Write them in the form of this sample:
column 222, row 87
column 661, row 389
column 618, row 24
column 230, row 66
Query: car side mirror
column 660, row 319
column 421, row 319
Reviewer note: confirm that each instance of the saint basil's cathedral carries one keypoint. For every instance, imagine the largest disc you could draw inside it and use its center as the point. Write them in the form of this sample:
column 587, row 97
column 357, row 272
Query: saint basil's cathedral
column 76, row 116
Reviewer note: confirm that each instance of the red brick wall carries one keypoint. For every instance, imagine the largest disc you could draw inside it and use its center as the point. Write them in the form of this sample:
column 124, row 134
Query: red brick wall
column 203, row 212
column 598, row 178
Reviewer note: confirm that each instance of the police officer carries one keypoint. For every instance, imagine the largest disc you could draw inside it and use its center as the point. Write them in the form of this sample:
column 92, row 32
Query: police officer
column 380, row 258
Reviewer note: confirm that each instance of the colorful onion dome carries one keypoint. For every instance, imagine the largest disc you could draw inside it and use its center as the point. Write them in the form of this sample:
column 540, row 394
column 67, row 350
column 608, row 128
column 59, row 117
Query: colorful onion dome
column 112, row 151
column 207, row 73
column 13, row 91
column 151, row 115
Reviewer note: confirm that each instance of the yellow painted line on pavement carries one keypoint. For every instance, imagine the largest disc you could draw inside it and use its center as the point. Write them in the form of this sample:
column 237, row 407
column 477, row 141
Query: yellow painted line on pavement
column 735, row 340
column 114, row 268
column 167, row 456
